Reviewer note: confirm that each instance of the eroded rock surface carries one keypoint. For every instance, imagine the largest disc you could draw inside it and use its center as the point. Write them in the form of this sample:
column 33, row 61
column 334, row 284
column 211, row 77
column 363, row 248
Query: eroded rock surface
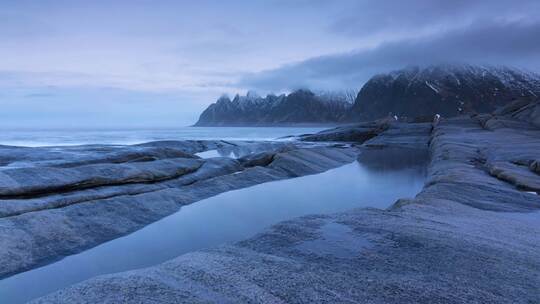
column 59, row 201
column 470, row 236
column 464, row 154
column 353, row 133
column 420, row 253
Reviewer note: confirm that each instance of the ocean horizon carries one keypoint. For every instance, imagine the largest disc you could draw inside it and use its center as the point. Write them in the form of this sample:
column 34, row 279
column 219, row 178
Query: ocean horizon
column 73, row 137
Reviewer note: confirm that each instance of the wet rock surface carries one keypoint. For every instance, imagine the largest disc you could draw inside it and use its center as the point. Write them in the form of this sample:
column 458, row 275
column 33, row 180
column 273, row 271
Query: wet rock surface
column 381, row 133
column 353, row 133
column 470, row 236
column 59, row 201
column 419, row 253
column 43, row 180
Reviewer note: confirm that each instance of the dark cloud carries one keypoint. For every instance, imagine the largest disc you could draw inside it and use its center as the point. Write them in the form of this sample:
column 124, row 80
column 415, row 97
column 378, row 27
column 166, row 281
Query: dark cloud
column 506, row 43
column 374, row 17
column 192, row 51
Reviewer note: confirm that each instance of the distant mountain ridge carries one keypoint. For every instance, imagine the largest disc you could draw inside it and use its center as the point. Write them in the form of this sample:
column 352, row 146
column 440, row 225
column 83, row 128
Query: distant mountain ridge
column 299, row 107
column 448, row 90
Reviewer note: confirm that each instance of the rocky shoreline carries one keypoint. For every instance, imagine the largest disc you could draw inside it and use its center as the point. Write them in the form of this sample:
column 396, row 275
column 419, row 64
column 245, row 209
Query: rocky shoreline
column 470, row 235
column 60, row 201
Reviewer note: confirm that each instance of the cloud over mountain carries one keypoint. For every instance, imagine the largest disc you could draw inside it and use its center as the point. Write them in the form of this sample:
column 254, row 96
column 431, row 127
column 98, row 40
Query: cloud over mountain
column 509, row 43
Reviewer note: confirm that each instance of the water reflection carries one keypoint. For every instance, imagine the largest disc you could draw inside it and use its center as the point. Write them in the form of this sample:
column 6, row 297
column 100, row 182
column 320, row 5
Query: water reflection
column 229, row 217
column 242, row 150
column 391, row 159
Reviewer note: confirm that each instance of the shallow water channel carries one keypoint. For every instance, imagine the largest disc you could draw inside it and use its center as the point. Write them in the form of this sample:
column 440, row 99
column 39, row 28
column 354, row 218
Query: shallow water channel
column 377, row 180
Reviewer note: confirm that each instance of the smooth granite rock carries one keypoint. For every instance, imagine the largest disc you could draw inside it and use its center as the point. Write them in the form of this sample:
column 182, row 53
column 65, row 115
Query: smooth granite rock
column 42, row 180
column 404, row 135
column 470, row 236
column 49, row 212
column 436, row 252
column 353, row 133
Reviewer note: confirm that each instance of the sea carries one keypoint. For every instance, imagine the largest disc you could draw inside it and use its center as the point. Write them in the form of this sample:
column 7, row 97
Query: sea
column 71, row 137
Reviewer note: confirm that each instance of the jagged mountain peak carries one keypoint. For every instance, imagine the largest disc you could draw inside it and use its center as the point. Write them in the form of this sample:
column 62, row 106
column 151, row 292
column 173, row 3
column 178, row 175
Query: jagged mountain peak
column 252, row 95
column 446, row 89
column 224, row 98
column 300, row 106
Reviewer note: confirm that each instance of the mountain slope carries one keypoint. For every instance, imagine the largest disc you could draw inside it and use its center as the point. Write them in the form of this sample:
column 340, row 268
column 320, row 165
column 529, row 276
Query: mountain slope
column 301, row 106
column 448, row 90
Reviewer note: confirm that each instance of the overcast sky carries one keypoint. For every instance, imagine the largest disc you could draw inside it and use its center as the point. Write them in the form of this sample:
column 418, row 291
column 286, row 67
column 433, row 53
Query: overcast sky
column 137, row 63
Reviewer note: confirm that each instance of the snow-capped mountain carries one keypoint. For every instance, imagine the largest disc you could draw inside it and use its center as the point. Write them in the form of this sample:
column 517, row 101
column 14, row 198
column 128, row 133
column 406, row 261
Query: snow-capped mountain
column 448, row 90
column 298, row 107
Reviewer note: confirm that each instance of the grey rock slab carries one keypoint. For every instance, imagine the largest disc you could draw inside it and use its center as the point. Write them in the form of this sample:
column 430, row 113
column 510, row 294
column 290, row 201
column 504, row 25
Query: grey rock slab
column 38, row 180
column 520, row 176
column 72, row 156
column 462, row 152
column 336, row 240
column 468, row 237
column 406, row 135
column 535, row 166
column 439, row 252
column 51, row 232
column 210, row 168
column 353, row 133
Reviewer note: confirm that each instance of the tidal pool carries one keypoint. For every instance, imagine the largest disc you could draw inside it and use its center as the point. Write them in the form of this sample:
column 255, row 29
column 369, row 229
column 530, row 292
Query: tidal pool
column 244, row 149
column 377, row 180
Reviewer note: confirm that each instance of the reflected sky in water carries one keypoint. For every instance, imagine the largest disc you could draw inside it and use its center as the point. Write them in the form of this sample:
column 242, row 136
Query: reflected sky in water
column 245, row 149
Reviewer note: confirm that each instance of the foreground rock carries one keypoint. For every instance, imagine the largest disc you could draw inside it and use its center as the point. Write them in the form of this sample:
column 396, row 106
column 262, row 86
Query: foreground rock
column 60, row 203
column 471, row 236
column 358, row 133
column 419, row 253
column 380, row 133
